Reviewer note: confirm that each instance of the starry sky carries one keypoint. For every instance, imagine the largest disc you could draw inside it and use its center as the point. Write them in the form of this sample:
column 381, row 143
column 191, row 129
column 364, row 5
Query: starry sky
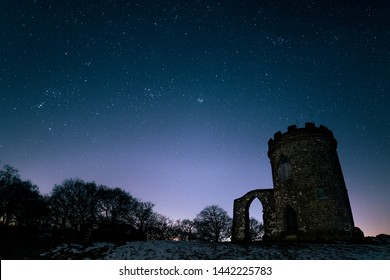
column 175, row 101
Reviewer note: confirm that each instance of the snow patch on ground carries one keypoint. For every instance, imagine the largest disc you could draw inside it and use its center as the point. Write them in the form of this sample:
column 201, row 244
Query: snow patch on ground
column 199, row 250
column 196, row 250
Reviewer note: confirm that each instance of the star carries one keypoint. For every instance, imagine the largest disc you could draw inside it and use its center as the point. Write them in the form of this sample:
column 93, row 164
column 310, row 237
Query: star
column 200, row 100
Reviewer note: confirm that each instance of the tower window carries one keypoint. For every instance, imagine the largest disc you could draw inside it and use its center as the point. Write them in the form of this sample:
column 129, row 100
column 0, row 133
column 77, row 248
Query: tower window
column 322, row 193
column 284, row 168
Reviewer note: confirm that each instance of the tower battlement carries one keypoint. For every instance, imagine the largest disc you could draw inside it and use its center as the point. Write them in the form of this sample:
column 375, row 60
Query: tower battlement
column 293, row 132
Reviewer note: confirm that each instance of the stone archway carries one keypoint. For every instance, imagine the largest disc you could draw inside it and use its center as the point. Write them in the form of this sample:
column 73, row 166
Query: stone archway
column 240, row 231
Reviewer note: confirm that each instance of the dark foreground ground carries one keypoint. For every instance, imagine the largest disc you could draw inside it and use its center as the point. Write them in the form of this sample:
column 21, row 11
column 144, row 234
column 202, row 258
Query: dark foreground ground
column 373, row 249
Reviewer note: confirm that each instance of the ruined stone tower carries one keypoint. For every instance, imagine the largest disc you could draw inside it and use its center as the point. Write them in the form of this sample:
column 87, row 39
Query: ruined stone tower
column 309, row 200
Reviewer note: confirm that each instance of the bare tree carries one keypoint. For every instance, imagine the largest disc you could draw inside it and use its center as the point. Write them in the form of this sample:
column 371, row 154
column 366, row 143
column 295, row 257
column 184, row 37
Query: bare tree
column 114, row 205
column 161, row 229
column 20, row 201
column 185, row 229
column 9, row 175
column 256, row 230
column 142, row 216
column 74, row 204
column 213, row 223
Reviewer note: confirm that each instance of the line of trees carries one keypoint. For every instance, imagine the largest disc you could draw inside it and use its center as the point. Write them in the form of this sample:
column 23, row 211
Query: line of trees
column 84, row 211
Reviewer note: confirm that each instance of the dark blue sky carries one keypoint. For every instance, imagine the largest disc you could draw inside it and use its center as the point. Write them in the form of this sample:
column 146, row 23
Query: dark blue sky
column 175, row 101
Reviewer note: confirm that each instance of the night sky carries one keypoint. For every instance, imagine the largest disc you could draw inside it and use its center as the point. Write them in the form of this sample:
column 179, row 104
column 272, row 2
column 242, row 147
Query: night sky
column 175, row 101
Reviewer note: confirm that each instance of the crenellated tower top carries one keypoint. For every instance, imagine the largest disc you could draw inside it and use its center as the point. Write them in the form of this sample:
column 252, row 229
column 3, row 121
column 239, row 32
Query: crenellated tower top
column 294, row 133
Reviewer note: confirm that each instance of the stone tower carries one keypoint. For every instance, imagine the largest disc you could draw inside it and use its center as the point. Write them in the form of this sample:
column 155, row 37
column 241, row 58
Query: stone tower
column 310, row 193
column 309, row 200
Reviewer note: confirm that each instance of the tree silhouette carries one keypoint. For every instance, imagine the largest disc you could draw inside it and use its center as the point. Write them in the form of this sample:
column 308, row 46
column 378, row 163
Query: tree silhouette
column 161, row 229
column 256, row 230
column 185, row 229
column 142, row 216
column 213, row 223
column 114, row 205
column 20, row 201
column 74, row 204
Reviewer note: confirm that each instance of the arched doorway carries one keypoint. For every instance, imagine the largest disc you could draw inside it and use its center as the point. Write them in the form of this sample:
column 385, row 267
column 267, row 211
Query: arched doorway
column 291, row 221
column 241, row 219
column 256, row 225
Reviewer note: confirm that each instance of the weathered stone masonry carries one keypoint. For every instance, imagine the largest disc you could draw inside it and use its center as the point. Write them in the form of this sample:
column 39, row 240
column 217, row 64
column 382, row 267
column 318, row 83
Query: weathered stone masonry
column 309, row 200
